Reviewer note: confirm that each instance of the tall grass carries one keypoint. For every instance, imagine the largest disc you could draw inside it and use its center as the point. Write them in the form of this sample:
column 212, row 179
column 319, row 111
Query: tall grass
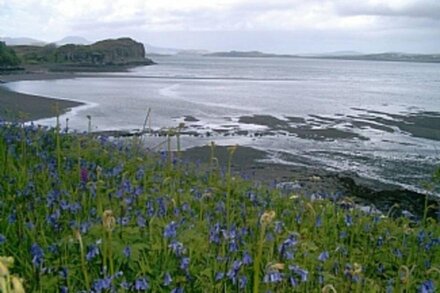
column 83, row 213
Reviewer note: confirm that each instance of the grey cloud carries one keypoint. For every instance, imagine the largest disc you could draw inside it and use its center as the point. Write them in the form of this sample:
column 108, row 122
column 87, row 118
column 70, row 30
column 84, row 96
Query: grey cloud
column 416, row 9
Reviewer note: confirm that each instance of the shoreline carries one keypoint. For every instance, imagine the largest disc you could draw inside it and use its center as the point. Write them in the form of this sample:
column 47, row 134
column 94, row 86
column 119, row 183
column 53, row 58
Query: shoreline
column 307, row 181
column 20, row 107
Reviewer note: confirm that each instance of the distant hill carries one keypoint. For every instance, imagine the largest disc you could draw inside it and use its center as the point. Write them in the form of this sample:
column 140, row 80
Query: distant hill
column 247, row 54
column 73, row 40
column 116, row 52
column 22, row 42
column 402, row 57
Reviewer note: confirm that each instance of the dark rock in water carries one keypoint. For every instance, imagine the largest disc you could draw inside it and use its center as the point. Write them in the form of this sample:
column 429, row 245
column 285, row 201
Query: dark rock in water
column 190, row 118
column 384, row 199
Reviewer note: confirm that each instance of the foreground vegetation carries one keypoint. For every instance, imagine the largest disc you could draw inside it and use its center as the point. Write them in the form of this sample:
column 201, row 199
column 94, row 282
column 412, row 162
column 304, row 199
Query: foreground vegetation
column 89, row 214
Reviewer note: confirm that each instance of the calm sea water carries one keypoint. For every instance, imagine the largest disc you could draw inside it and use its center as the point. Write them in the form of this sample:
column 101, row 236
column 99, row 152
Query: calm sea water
column 378, row 119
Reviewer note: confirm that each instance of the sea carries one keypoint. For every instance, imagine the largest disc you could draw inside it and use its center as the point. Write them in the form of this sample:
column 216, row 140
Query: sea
column 379, row 120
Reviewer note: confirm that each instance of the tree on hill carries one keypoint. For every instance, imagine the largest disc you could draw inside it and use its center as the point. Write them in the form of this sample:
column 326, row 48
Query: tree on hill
column 8, row 58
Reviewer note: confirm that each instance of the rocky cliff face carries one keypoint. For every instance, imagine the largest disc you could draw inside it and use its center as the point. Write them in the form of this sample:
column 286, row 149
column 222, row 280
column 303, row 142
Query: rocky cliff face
column 124, row 51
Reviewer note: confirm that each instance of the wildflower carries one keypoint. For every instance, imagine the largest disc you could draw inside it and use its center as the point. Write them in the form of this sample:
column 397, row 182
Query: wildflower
column 102, row 284
column 177, row 290
column 170, row 230
column 233, row 272
column 348, row 220
column 167, row 280
column 92, row 252
column 427, row 287
column 177, row 247
column 184, row 264
column 219, row 276
column 318, row 222
column 242, row 281
column 108, row 220
column 247, row 259
column 267, row 217
column 17, row 285
column 2, row 239
column 323, row 256
column 141, row 284
column 141, row 222
column 300, row 272
column 127, row 251
column 37, row 255
column 273, row 277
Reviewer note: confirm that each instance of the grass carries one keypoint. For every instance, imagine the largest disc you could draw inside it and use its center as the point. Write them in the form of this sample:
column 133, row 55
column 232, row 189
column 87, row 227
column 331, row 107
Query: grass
column 89, row 214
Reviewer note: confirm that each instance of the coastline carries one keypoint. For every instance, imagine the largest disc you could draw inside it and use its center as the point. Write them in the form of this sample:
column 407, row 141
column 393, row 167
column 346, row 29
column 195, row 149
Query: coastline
column 20, row 107
column 307, row 181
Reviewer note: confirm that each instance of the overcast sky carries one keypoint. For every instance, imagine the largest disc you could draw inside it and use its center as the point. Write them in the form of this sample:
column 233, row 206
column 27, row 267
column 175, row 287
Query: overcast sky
column 280, row 26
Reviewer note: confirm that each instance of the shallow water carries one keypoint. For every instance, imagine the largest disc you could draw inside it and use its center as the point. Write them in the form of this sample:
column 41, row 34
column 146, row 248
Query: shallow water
column 378, row 119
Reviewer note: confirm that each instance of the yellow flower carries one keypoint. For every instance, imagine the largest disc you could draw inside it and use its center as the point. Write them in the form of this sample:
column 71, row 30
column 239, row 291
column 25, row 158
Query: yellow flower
column 17, row 285
column 108, row 220
column 267, row 217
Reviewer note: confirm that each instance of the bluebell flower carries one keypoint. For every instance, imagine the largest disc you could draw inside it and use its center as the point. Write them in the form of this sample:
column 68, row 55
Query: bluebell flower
column 427, row 287
column 37, row 254
column 323, row 256
column 167, row 280
column 170, row 230
column 273, row 277
column 242, row 281
column 247, row 259
column 177, row 290
column 63, row 272
column 92, row 252
column 101, row 285
column 141, row 222
column 379, row 241
column 141, row 284
column 300, row 272
column 2, row 239
column 177, row 247
column 127, row 251
column 348, row 220
column 184, row 263
column 219, row 276
column 278, row 227
column 318, row 222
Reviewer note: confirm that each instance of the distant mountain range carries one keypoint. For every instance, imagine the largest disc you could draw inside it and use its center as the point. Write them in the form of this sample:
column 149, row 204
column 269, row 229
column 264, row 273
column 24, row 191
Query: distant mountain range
column 152, row 51
column 343, row 55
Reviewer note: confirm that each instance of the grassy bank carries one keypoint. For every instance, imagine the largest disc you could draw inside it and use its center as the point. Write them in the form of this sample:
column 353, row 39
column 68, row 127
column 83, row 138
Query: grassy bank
column 91, row 214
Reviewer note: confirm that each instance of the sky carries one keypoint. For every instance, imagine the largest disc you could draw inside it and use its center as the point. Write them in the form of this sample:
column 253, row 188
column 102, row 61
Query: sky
column 277, row 26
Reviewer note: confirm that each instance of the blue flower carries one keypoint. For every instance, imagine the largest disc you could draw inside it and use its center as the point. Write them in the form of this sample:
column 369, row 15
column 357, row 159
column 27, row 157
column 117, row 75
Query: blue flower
column 323, row 256
column 127, row 251
column 141, row 284
column 247, row 259
column 167, row 279
column 170, row 230
column 177, row 290
column 177, row 247
column 242, row 281
column 2, row 239
column 273, row 277
column 102, row 284
column 300, row 272
column 92, row 252
column 37, row 255
column 427, row 287
column 184, row 264
column 348, row 220
column 219, row 276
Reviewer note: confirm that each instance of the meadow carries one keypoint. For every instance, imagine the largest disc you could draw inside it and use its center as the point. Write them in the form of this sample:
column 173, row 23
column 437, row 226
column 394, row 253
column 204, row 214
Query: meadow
column 82, row 213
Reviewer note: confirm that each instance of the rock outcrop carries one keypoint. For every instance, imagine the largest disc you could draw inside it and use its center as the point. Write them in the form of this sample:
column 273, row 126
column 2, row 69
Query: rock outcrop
column 124, row 51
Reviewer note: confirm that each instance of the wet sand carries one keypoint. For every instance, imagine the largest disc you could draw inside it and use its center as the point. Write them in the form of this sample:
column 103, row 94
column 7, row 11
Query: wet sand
column 19, row 107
